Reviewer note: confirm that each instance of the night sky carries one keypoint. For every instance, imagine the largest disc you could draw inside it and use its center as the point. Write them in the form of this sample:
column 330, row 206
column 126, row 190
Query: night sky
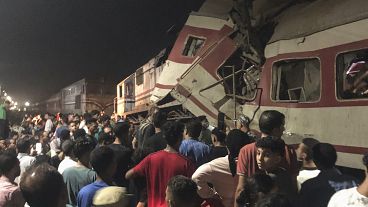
column 46, row 45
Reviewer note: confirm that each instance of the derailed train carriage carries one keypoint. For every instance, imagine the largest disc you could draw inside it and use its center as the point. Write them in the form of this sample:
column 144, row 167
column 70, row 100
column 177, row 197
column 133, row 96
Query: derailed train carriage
column 307, row 59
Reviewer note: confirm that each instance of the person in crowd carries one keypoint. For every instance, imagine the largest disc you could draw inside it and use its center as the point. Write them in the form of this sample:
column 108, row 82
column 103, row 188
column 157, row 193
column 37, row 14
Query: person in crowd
column 79, row 133
column 68, row 161
column 152, row 166
column 353, row 197
column 220, row 174
column 271, row 123
column 104, row 163
column 182, row 192
column 242, row 124
column 81, row 175
column 10, row 194
column 62, row 126
column 274, row 200
column 156, row 142
column 4, row 124
column 25, row 160
column 270, row 153
column 72, row 126
column 105, row 139
column 92, row 126
column 219, row 146
column 138, row 185
column 205, row 135
column 43, row 186
column 255, row 188
column 83, row 124
column 146, row 129
column 49, row 122
column 318, row 191
column 56, row 143
column 122, row 153
column 305, row 156
column 191, row 148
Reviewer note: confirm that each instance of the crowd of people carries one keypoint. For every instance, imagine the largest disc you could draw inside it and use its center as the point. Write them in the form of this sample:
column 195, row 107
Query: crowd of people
column 98, row 160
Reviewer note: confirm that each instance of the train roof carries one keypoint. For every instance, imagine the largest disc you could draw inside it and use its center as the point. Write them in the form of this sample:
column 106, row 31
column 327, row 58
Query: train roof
column 310, row 17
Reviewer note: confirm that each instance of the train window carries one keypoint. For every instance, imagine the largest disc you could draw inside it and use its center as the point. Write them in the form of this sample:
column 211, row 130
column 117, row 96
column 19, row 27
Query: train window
column 120, row 91
column 192, row 46
column 139, row 76
column 352, row 75
column 296, row 80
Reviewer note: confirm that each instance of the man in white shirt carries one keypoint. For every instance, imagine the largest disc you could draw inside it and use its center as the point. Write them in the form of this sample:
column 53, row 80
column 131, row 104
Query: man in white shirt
column 67, row 149
column 48, row 124
column 221, row 173
column 25, row 160
column 304, row 154
column 354, row 197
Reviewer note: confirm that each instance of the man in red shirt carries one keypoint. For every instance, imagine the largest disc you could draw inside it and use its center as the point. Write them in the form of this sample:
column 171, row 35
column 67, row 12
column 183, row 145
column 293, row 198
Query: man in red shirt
column 271, row 123
column 159, row 167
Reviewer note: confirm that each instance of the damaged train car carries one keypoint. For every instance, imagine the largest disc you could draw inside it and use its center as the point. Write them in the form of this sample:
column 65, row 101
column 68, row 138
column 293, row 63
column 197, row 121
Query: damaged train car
column 305, row 58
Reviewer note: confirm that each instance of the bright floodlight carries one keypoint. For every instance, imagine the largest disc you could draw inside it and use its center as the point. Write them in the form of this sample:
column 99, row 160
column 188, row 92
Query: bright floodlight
column 27, row 103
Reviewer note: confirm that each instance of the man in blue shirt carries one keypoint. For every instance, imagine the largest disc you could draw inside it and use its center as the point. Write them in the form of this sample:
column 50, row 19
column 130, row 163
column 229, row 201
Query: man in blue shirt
column 104, row 163
column 196, row 151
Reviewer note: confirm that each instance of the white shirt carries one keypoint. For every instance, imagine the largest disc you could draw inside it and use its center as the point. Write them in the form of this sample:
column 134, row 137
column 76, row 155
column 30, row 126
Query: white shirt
column 305, row 175
column 217, row 172
column 25, row 161
column 348, row 197
column 66, row 163
column 48, row 125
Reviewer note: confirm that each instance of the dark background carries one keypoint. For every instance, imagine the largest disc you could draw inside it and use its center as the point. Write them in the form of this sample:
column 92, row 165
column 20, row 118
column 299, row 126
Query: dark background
column 46, row 45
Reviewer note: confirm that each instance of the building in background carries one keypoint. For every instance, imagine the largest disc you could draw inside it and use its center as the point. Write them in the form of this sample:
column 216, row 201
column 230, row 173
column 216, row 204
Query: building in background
column 82, row 96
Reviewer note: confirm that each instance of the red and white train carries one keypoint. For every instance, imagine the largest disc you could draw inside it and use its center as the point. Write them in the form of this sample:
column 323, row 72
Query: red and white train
column 311, row 67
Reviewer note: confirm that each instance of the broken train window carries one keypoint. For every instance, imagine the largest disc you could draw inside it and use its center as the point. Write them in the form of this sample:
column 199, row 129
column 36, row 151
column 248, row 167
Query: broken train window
column 246, row 78
column 296, row 80
column 352, row 75
column 193, row 44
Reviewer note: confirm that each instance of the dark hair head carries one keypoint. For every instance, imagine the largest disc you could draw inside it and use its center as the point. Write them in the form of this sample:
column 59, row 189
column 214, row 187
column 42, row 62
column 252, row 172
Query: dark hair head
column 159, row 119
column 82, row 146
column 101, row 158
column 235, row 140
column 91, row 121
column 194, row 128
column 173, row 132
column 42, row 186
column 121, row 130
column 64, row 119
column 258, row 183
column 105, row 139
column 67, row 147
column 324, row 155
column 79, row 133
column 309, row 143
column 23, row 144
column 220, row 135
column 104, row 118
column 7, row 162
column 64, row 134
column 270, row 120
column 183, row 191
column 275, row 144
column 365, row 160
column 274, row 200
